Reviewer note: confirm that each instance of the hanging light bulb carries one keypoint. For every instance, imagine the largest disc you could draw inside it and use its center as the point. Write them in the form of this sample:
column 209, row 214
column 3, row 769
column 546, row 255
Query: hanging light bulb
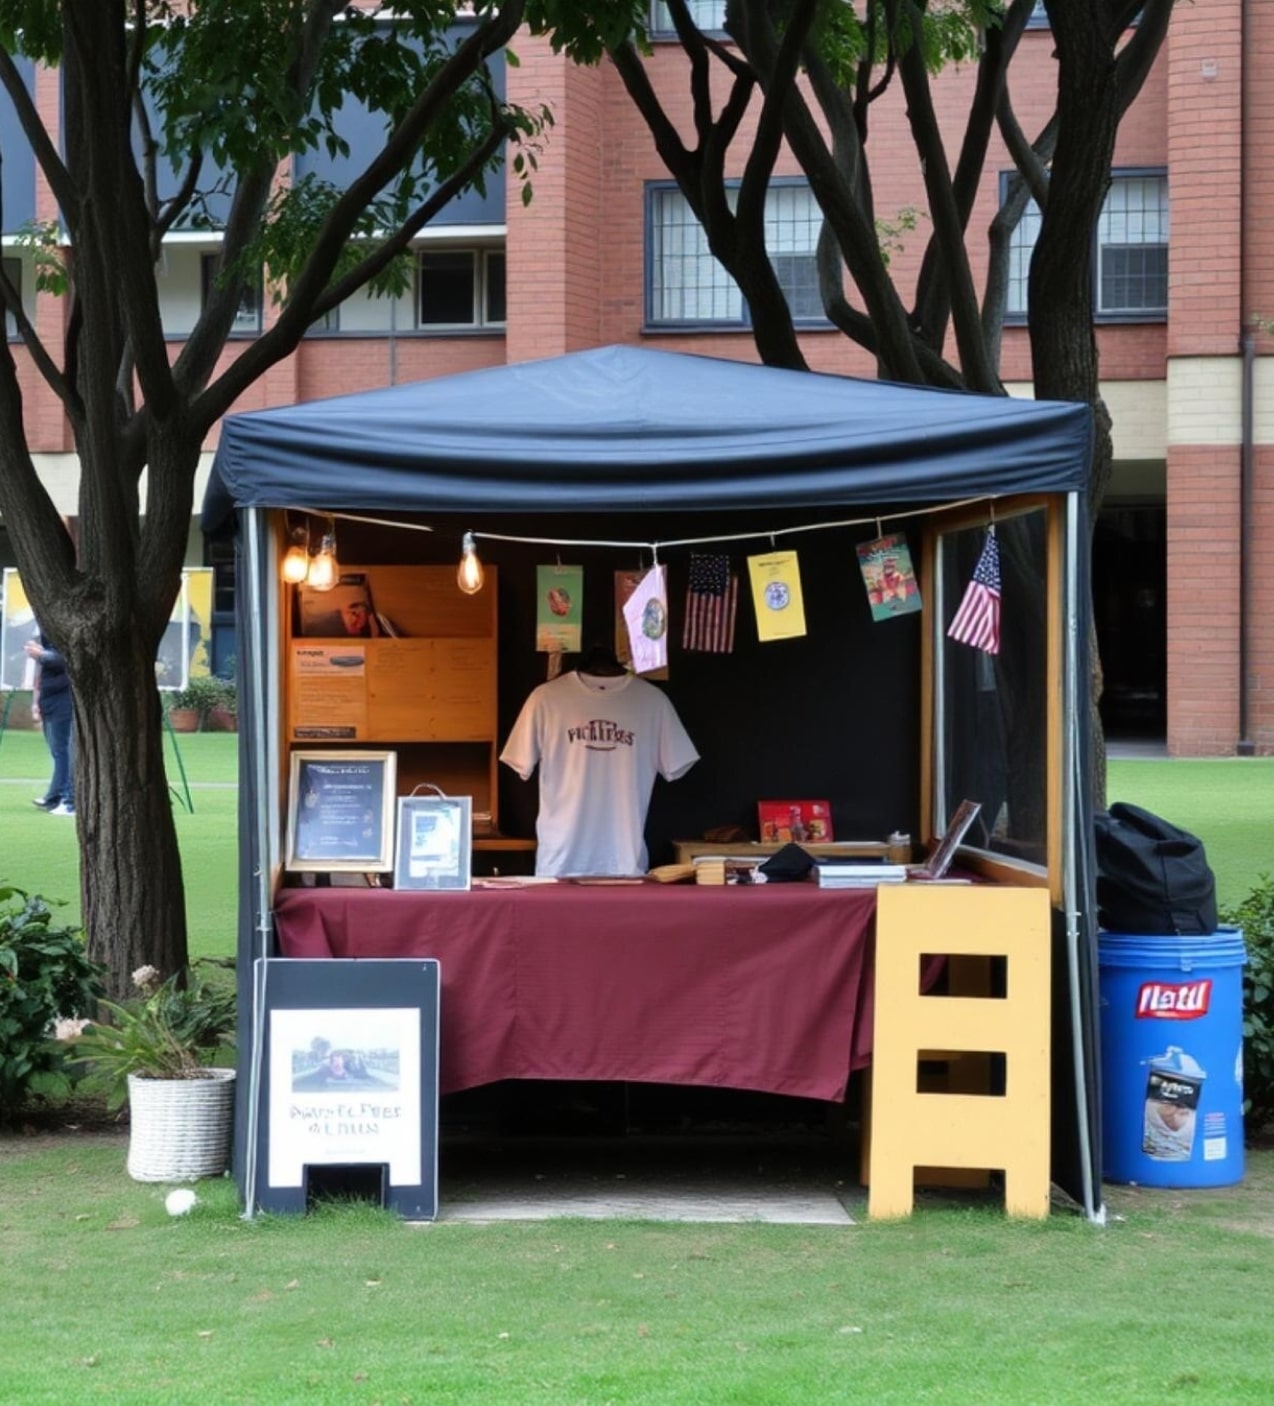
column 296, row 560
column 324, row 570
column 469, row 573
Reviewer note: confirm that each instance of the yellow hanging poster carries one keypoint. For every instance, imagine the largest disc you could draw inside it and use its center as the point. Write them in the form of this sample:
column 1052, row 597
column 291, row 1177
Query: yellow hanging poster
column 776, row 595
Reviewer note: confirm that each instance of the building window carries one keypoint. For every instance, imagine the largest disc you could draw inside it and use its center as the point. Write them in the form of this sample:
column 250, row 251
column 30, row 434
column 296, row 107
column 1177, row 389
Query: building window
column 686, row 286
column 461, row 288
column 708, row 15
column 13, row 272
column 1131, row 252
column 1021, row 247
column 1132, row 248
column 247, row 318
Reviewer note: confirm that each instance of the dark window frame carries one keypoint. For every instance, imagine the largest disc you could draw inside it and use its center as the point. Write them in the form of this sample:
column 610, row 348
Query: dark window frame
column 665, row 34
column 13, row 269
column 654, row 324
column 1019, row 317
column 484, row 282
column 209, row 269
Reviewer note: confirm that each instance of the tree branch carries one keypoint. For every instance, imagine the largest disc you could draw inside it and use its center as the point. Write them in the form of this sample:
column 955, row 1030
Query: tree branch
column 945, row 213
column 44, row 363
column 1137, row 57
column 932, row 305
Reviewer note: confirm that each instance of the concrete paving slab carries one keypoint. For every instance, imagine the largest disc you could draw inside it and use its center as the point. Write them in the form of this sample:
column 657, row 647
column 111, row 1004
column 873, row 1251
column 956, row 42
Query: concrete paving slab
column 673, row 1179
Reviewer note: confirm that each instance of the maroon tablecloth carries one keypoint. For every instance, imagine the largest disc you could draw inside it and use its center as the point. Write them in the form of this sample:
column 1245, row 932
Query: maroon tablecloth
column 751, row 987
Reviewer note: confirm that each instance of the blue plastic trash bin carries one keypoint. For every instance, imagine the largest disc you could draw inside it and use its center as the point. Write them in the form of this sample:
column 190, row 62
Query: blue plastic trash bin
column 1172, row 1058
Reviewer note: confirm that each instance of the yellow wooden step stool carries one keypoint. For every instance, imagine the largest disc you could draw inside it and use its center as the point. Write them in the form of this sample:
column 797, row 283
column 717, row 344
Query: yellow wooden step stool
column 910, row 1129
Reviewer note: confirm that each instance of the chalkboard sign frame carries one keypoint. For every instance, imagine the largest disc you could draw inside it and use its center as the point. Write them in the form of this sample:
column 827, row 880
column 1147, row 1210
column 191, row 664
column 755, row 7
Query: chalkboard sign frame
column 378, row 854
column 291, row 1130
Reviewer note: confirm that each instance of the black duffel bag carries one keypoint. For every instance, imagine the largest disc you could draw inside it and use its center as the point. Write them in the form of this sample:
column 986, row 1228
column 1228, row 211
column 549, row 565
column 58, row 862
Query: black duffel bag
column 1152, row 877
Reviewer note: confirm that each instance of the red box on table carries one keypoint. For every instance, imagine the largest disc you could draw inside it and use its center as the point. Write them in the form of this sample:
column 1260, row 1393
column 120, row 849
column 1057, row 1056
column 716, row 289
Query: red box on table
column 799, row 821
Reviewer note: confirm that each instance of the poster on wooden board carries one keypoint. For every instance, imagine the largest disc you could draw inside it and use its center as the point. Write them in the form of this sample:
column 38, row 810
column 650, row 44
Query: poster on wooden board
column 341, row 811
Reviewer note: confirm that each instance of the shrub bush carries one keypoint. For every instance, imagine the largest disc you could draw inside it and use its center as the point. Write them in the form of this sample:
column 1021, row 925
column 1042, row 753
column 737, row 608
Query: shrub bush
column 45, row 975
column 1255, row 915
column 203, row 693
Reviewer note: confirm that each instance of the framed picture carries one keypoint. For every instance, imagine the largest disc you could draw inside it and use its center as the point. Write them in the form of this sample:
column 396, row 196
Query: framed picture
column 945, row 846
column 341, row 811
column 435, row 842
column 345, row 611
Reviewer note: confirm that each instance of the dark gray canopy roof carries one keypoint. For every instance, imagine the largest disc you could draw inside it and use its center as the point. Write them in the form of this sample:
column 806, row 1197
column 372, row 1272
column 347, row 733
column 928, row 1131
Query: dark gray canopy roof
column 625, row 429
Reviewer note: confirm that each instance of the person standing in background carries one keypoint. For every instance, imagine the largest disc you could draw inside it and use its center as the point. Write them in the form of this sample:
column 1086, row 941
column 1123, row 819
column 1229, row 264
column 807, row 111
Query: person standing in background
column 52, row 708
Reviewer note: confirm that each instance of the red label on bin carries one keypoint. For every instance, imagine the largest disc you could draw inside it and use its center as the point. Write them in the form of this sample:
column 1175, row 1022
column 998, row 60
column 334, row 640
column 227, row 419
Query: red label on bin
column 1187, row 1000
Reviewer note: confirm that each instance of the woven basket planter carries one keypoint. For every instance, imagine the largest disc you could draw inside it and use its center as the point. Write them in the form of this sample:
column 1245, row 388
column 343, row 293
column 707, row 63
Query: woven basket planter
column 180, row 1128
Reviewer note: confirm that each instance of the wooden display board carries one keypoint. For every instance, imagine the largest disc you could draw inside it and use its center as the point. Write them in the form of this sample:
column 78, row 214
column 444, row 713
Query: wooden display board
column 430, row 691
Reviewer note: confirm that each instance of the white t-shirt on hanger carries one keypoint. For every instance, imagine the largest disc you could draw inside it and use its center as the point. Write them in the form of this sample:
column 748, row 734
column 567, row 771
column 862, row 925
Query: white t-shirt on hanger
column 599, row 741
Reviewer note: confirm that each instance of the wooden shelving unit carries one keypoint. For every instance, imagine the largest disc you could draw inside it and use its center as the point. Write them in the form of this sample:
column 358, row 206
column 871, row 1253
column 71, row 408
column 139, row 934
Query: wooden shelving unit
column 430, row 693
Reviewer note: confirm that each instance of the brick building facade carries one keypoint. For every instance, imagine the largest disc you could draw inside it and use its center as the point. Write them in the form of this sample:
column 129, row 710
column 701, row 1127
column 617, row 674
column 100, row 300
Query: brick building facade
column 1184, row 551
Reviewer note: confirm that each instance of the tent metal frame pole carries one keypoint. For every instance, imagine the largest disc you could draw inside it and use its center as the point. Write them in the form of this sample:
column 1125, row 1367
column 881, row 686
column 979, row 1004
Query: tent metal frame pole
column 260, row 649
column 1071, row 852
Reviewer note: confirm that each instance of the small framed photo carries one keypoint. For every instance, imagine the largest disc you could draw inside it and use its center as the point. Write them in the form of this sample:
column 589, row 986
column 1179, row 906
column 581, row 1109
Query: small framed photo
column 435, row 842
column 341, row 811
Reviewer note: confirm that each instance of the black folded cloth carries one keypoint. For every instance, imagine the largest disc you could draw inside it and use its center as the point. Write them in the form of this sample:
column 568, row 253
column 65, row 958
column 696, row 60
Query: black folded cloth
column 787, row 865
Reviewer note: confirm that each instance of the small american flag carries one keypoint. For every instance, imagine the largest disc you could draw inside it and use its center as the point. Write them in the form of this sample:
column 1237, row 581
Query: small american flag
column 711, row 603
column 977, row 622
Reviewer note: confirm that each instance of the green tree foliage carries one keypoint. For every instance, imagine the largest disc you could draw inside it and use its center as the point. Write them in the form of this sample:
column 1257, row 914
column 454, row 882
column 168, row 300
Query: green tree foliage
column 45, row 976
column 1255, row 916
column 221, row 94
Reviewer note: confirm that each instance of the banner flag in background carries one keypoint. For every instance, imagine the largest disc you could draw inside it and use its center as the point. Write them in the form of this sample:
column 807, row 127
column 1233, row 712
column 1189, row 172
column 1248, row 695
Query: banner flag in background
column 712, row 600
column 977, row 622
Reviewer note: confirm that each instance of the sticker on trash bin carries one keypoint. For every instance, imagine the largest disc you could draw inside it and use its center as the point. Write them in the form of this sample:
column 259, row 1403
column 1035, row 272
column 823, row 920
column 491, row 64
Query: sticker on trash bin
column 1174, row 1000
column 1173, row 1086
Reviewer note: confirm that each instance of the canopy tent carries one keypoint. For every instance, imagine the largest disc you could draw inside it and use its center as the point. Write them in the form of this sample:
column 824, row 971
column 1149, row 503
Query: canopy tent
column 622, row 430
column 628, row 430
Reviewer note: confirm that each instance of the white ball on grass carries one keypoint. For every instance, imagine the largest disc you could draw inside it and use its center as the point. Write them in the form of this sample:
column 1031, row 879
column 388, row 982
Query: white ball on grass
column 180, row 1201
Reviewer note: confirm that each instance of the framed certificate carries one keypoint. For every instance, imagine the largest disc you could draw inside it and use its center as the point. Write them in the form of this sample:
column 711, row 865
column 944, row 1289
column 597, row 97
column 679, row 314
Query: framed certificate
column 341, row 811
column 435, row 842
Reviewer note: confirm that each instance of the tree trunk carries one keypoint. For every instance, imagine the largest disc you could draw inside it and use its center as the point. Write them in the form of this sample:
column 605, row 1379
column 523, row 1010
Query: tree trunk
column 130, row 868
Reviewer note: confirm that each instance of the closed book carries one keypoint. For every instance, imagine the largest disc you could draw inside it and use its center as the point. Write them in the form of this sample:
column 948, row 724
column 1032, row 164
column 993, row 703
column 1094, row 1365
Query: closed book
column 831, row 874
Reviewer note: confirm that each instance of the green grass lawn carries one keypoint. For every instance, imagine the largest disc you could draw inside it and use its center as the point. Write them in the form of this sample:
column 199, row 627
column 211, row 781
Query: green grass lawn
column 1227, row 803
column 39, row 852
column 110, row 1300
column 119, row 1303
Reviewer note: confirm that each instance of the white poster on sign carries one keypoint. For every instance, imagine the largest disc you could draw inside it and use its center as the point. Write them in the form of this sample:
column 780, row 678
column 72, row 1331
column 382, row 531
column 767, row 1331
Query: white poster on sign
column 344, row 1090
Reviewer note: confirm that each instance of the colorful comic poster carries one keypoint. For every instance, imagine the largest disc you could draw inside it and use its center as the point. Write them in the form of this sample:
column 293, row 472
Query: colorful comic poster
column 183, row 649
column 17, row 626
column 892, row 588
column 776, row 595
column 646, row 614
column 559, row 608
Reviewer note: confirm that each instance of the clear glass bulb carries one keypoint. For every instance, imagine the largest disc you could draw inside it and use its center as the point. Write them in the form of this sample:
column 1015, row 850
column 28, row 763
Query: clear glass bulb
column 469, row 575
column 296, row 564
column 323, row 570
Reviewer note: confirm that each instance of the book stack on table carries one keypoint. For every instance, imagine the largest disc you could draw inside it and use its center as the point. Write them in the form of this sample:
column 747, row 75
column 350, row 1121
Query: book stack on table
column 834, row 874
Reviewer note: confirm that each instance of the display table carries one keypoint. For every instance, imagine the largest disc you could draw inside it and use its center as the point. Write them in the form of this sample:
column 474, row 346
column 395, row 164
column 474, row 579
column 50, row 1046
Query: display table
column 751, row 987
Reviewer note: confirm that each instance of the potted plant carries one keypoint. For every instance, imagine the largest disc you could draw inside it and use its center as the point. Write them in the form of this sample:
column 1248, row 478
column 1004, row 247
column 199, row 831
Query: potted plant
column 224, row 714
column 156, row 1051
column 189, row 708
column 182, row 715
